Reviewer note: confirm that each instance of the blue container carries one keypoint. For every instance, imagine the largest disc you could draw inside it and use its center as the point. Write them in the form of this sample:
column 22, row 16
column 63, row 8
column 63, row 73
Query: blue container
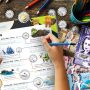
column 73, row 17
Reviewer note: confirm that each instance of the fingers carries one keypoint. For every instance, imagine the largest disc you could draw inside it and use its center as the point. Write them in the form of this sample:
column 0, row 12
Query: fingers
column 45, row 43
column 52, row 38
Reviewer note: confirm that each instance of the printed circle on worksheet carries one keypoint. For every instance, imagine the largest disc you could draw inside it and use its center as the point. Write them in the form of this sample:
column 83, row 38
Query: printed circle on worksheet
column 25, row 35
column 24, row 74
column 38, row 82
column 33, row 58
column 18, row 50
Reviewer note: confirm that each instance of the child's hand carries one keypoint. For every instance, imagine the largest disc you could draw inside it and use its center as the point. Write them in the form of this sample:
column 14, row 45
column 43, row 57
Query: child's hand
column 54, row 52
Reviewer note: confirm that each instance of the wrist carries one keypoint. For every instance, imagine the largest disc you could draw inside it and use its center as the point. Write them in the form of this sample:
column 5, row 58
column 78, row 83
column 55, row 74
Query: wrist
column 59, row 64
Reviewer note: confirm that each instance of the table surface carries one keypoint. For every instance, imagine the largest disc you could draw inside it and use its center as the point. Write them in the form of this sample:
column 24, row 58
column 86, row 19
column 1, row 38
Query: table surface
column 18, row 6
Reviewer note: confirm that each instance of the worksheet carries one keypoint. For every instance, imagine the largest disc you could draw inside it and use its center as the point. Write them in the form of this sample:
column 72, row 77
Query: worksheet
column 26, row 64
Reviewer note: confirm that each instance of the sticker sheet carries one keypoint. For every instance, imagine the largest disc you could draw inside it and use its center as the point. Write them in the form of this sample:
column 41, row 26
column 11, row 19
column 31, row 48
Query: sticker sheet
column 79, row 81
column 26, row 65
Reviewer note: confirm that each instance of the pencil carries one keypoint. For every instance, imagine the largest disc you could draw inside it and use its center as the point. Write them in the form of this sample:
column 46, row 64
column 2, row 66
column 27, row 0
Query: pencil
column 61, row 44
column 31, row 4
column 43, row 6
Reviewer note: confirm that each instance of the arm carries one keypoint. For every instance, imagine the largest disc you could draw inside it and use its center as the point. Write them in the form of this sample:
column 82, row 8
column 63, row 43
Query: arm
column 56, row 55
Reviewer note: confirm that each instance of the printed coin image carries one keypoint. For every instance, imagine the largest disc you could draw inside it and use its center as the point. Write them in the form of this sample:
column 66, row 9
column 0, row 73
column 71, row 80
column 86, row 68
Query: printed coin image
column 25, row 35
column 33, row 58
column 18, row 50
column 62, row 11
column 23, row 17
column 38, row 82
column 24, row 74
column 9, row 14
column 52, row 12
column 62, row 24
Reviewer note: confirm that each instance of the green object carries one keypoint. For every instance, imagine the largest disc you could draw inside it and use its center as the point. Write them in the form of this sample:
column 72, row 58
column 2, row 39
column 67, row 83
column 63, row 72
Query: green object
column 46, row 57
column 34, row 31
column 86, row 19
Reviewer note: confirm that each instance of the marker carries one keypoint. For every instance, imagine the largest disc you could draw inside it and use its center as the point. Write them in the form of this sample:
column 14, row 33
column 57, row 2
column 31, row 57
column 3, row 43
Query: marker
column 43, row 6
column 31, row 4
column 61, row 44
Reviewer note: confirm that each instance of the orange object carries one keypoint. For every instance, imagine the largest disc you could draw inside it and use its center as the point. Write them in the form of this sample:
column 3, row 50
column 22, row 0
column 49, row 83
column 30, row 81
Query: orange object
column 48, row 21
column 31, row 4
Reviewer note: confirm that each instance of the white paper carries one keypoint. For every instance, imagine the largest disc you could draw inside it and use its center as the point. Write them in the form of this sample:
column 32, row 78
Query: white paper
column 25, row 63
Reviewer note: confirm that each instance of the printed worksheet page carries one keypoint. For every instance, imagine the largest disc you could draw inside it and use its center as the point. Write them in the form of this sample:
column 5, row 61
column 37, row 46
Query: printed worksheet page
column 26, row 65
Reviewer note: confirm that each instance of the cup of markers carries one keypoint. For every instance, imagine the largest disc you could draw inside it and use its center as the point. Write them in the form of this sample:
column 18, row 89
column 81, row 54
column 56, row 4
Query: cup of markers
column 80, row 12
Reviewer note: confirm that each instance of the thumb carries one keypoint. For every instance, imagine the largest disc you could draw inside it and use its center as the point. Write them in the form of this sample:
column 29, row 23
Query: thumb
column 46, row 44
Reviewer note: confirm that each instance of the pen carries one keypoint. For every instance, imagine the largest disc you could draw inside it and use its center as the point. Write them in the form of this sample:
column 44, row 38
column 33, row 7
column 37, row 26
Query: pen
column 31, row 4
column 60, row 44
column 43, row 6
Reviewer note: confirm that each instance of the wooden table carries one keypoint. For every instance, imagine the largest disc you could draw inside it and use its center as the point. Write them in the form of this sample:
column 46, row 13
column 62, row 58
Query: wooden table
column 18, row 6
